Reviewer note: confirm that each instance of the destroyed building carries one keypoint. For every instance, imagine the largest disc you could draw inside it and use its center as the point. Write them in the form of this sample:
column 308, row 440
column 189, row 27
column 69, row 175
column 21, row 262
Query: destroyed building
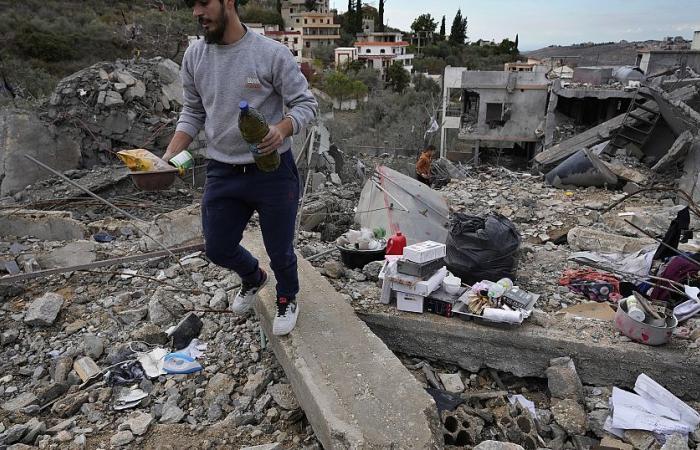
column 501, row 109
column 86, row 291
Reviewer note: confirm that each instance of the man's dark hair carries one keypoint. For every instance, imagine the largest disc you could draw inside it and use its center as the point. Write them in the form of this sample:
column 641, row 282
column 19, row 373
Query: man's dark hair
column 190, row 4
column 430, row 148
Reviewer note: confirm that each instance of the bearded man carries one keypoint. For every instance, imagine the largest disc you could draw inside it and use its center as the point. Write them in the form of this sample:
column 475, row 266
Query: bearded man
column 233, row 64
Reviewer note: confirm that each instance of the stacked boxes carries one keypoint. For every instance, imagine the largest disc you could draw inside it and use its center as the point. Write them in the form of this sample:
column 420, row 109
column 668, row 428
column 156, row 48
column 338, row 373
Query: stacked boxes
column 414, row 276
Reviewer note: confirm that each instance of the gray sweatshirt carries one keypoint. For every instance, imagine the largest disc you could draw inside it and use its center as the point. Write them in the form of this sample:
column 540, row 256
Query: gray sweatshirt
column 257, row 69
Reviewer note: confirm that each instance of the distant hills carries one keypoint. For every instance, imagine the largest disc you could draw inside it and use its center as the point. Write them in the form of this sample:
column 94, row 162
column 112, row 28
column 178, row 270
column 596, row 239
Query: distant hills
column 605, row 54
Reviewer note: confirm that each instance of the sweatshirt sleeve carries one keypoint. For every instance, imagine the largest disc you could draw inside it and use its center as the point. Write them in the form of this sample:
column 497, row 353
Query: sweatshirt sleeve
column 192, row 115
column 291, row 84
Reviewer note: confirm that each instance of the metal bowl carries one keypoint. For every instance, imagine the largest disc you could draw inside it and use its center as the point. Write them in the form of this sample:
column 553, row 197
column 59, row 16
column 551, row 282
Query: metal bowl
column 641, row 332
column 154, row 180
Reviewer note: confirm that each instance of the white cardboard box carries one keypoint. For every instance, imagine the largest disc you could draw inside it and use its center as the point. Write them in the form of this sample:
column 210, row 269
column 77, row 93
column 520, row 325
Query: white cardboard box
column 409, row 302
column 413, row 285
column 425, row 251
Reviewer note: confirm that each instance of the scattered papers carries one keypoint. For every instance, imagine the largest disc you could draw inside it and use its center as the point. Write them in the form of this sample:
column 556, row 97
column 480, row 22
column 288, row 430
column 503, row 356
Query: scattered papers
column 652, row 408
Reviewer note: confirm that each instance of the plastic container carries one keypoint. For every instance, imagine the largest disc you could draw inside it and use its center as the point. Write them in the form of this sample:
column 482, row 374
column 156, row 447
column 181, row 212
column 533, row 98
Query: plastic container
column 396, row 244
column 451, row 284
column 634, row 311
column 357, row 259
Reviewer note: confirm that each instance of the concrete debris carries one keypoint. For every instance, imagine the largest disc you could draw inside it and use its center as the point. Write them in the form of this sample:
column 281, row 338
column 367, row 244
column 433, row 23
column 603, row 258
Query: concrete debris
column 594, row 240
column 46, row 225
column 23, row 133
column 122, row 104
column 563, row 381
column 44, row 310
column 452, row 382
column 175, row 228
column 52, row 348
column 70, row 254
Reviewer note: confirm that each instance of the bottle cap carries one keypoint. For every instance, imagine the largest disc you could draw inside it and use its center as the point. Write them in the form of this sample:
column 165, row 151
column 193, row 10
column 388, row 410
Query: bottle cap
column 243, row 105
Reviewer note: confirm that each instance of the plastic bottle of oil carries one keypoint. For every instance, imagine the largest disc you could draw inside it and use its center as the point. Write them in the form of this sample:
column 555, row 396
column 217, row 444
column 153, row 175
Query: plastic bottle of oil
column 254, row 128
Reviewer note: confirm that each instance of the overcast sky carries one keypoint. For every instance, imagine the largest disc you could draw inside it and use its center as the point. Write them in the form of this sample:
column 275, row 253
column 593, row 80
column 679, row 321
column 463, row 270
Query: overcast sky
column 545, row 22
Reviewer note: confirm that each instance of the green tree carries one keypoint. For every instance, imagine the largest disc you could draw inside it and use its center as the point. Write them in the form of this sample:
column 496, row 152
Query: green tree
column 358, row 17
column 341, row 87
column 508, row 47
column 353, row 66
column 458, row 32
column 517, row 38
column 422, row 83
column 424, row 22
column 256, row 14
column 430, row 64
column 369, row 77
column 380, row 19
column 397, row 77
column 310, row 5
column 442, row 29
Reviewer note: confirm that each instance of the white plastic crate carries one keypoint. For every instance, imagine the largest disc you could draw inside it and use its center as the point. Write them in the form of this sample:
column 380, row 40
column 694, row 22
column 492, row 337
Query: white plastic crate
column 409, row 302
column 425, row 251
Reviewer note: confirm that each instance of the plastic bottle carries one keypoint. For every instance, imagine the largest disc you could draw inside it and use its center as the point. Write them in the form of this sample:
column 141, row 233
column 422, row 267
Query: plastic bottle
column 396, row 244
column 506, row 283
column 633, row 309
column 254, row 128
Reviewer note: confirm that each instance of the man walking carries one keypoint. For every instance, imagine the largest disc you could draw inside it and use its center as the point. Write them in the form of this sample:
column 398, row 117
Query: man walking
column 233, row 64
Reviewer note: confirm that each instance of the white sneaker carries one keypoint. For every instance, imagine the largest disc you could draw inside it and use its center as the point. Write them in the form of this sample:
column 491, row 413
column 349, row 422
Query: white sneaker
column 286, row 319
column 246, row 296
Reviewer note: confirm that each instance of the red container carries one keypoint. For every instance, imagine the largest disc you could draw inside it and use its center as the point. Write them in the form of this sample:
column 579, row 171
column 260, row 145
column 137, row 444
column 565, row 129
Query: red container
column 396, row 244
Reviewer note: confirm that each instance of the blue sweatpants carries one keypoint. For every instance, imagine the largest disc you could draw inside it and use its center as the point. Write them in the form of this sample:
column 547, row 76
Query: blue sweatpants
column 231, row 195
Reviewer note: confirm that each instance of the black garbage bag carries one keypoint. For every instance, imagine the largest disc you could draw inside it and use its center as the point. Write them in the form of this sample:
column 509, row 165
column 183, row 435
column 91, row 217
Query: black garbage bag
column 482, row 249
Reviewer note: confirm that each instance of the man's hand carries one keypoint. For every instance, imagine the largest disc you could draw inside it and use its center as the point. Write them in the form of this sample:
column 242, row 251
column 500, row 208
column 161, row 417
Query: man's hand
column 277, row 134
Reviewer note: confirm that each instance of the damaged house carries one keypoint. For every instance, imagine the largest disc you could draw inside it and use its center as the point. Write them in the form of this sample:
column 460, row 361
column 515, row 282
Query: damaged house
column 500, row 109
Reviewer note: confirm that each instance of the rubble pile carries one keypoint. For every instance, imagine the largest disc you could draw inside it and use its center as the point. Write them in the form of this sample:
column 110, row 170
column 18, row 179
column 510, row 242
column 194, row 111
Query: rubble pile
column 114, row 105
column 64, row 337
column 557, row 413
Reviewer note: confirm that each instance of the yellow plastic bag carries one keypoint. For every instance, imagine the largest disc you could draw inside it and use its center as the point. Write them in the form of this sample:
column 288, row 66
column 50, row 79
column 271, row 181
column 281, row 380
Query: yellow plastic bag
column 141, row 160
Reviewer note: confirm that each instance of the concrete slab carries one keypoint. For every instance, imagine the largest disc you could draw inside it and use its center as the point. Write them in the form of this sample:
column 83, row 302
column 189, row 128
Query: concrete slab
column 45, row 225
column 354, row 391
column 526, row 351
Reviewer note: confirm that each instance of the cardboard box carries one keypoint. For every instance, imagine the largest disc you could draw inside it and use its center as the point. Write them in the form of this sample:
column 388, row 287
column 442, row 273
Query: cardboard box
column 409, row 302
column 413, row 285
column 424, row 251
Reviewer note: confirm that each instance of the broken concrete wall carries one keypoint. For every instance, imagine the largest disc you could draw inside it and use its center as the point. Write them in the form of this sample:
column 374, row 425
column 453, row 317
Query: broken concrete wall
column 23, row 133
column 512, row 105
column 46, row 225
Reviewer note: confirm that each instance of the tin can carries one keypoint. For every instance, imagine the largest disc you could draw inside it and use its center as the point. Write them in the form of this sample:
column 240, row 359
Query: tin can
column 182, row 161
